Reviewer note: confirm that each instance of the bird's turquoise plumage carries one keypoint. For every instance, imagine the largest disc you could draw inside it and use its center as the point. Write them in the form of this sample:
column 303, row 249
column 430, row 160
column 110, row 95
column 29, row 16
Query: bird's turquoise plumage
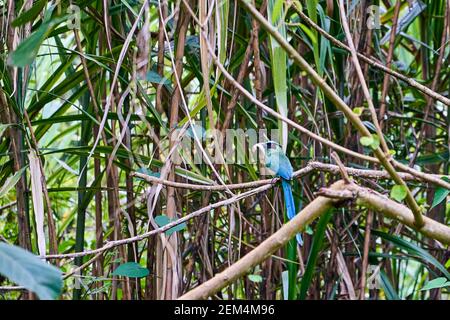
column 279, row 163
column 288, row 198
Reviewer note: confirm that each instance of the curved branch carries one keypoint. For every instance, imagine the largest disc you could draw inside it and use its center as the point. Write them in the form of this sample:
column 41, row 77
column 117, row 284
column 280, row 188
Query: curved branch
column 410, row 174
column 200, row 187
column 320, row 205
column 394, row 210
column 277, row 240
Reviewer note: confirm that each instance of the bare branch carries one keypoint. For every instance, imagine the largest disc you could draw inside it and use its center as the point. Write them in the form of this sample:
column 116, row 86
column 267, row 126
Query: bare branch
column 320, row 205
column 277, row 240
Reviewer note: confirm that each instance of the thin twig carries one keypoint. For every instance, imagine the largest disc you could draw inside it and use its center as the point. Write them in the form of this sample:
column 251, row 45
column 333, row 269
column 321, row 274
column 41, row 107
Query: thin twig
column 283, row 118
column 245, row 185
column 388, row 63
column 360, row 75
column 410, row 175
column 113, row 244
column 341, row 166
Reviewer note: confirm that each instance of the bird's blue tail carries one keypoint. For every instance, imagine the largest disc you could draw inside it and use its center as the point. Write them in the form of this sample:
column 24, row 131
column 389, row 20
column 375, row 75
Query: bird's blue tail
column 290, row 206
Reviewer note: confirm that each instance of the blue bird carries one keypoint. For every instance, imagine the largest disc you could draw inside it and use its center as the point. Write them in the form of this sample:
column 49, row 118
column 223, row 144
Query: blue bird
column 277, row 162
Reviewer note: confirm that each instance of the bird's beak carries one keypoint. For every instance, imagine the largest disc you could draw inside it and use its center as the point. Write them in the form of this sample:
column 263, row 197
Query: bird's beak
column 256, row 146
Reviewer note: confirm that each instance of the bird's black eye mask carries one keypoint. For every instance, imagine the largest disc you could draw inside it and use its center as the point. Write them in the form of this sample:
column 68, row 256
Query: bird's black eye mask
column 272, row 145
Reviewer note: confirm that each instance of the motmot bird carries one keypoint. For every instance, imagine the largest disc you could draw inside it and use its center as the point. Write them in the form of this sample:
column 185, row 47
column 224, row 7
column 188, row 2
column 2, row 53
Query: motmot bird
column 277, row 162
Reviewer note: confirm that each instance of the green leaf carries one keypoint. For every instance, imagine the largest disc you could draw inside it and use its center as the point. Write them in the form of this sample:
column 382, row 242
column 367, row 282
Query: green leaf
column 26, row 269
column 131, row 270
column 436, row 283
column 30, row 14
column 309, row 230
column 154, row 77
column 27, row 50
column 366, row 141
column 373, row 141
column 277, row 10
column 414, row 250
column 388, row 288
column 104, row 288
column 3, row 127
column 148, row 172
column 358, row 111
column 376, row 142
column 11, row 182
column 278, row 59
column 316, row 248
column 440, row 195
column 312, row 6
column 398, row 192
column 163, row 220
column 255, row 278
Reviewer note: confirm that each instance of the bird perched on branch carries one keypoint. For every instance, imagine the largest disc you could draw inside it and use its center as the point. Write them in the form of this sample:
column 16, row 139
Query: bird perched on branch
column 277, row 162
